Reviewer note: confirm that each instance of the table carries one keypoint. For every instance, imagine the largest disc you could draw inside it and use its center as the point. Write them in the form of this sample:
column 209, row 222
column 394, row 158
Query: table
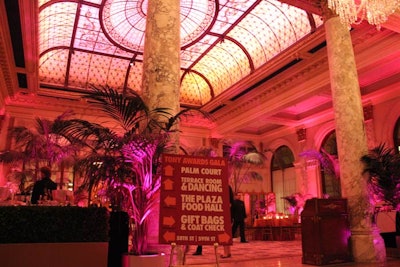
column 274, row 229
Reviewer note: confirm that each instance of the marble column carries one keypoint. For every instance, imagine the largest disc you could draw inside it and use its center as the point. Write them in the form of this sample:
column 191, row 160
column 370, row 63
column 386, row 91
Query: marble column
column 367, row 244
column 161, row 59
column 369, row 126
column 161, row 71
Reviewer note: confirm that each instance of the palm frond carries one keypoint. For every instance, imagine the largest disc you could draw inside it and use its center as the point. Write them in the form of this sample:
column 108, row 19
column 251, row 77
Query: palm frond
column 382, row 167
column 126, row 109
column 254, row 158
column 121, row 153
column 43, row 142
column 187, row 112
column 329, row 163
column 242, row 156
column 11, row 156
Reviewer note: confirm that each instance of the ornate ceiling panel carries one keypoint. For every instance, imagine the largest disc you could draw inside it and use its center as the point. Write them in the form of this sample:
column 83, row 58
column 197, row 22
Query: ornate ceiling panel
column 222, row 41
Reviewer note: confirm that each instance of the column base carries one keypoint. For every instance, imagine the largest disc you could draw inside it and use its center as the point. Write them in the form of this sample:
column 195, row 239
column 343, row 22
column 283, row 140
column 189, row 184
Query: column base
column 368, row 246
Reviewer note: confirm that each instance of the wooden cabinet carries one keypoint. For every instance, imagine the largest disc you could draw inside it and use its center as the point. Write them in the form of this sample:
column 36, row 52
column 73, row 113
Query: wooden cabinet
column 325, row 232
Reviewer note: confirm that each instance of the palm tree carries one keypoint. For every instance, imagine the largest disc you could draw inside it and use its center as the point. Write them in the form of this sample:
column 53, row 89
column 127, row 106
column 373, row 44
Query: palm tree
column 44, row 144
column 382, row 167
column 242, row 156
column 123, row 152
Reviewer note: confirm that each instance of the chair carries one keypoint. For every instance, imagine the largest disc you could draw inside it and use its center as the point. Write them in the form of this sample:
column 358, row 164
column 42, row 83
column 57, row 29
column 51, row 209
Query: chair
column 287, row 230
column 297, row 231
column 286, row 233
column 267, row 233
column 250, row 233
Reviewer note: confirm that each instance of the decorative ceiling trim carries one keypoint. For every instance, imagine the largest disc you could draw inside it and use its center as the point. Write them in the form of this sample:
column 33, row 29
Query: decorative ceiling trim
column 8, row 80
column 264, row 94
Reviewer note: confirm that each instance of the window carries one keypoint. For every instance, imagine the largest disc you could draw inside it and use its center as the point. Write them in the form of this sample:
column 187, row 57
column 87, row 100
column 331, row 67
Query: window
column 283, row 177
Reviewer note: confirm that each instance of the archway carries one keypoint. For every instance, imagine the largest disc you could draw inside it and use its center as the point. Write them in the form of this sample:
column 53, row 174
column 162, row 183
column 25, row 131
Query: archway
column 283, row 176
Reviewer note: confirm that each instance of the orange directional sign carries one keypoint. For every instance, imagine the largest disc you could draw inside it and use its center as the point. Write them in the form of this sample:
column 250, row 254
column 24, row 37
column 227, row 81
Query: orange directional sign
column 168, row 221
column 169, row 236
column 168, row 184
column 195, row 206
column 170, row 201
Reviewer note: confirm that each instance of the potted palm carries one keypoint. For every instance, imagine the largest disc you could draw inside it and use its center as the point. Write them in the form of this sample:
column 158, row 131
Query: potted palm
column 122, row 153
column 382, row 169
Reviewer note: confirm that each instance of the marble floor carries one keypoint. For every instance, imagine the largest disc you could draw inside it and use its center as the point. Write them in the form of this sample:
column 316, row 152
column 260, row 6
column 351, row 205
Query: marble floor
column 258, row 254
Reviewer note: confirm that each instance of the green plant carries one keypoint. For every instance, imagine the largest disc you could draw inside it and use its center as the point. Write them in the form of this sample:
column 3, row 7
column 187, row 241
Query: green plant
column 328, row 162
column 123, row 152
column 42, row 145
column 296, row 202
column 242, row 156
column 382, row 167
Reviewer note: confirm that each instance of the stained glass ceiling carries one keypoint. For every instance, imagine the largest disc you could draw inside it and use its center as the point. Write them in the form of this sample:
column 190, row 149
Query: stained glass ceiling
column 101, row 42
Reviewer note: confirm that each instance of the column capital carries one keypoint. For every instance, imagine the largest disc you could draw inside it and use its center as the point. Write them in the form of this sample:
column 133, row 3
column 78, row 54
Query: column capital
column 327, row 13
column 301, row 134
column 214, row 142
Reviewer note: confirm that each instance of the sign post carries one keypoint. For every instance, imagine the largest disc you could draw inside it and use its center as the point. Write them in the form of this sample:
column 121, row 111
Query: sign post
column 194, row 201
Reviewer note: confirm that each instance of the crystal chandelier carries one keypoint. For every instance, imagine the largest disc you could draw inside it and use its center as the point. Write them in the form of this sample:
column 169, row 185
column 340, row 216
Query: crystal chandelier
column 375, row 12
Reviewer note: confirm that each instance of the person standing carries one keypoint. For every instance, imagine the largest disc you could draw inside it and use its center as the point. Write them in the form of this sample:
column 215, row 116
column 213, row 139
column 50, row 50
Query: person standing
column 42, row 189
column 238, row 217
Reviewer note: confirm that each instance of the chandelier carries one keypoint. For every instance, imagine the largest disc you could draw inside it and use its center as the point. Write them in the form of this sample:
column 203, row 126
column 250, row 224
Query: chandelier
column 375, row 12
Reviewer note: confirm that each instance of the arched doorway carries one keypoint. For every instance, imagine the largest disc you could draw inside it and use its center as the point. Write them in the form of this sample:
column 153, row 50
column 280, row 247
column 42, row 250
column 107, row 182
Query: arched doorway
column 283, row 177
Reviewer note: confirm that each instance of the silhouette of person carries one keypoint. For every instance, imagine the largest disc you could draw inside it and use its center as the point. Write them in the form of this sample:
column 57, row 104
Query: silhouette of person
column 42, row 189
column 238, row 211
